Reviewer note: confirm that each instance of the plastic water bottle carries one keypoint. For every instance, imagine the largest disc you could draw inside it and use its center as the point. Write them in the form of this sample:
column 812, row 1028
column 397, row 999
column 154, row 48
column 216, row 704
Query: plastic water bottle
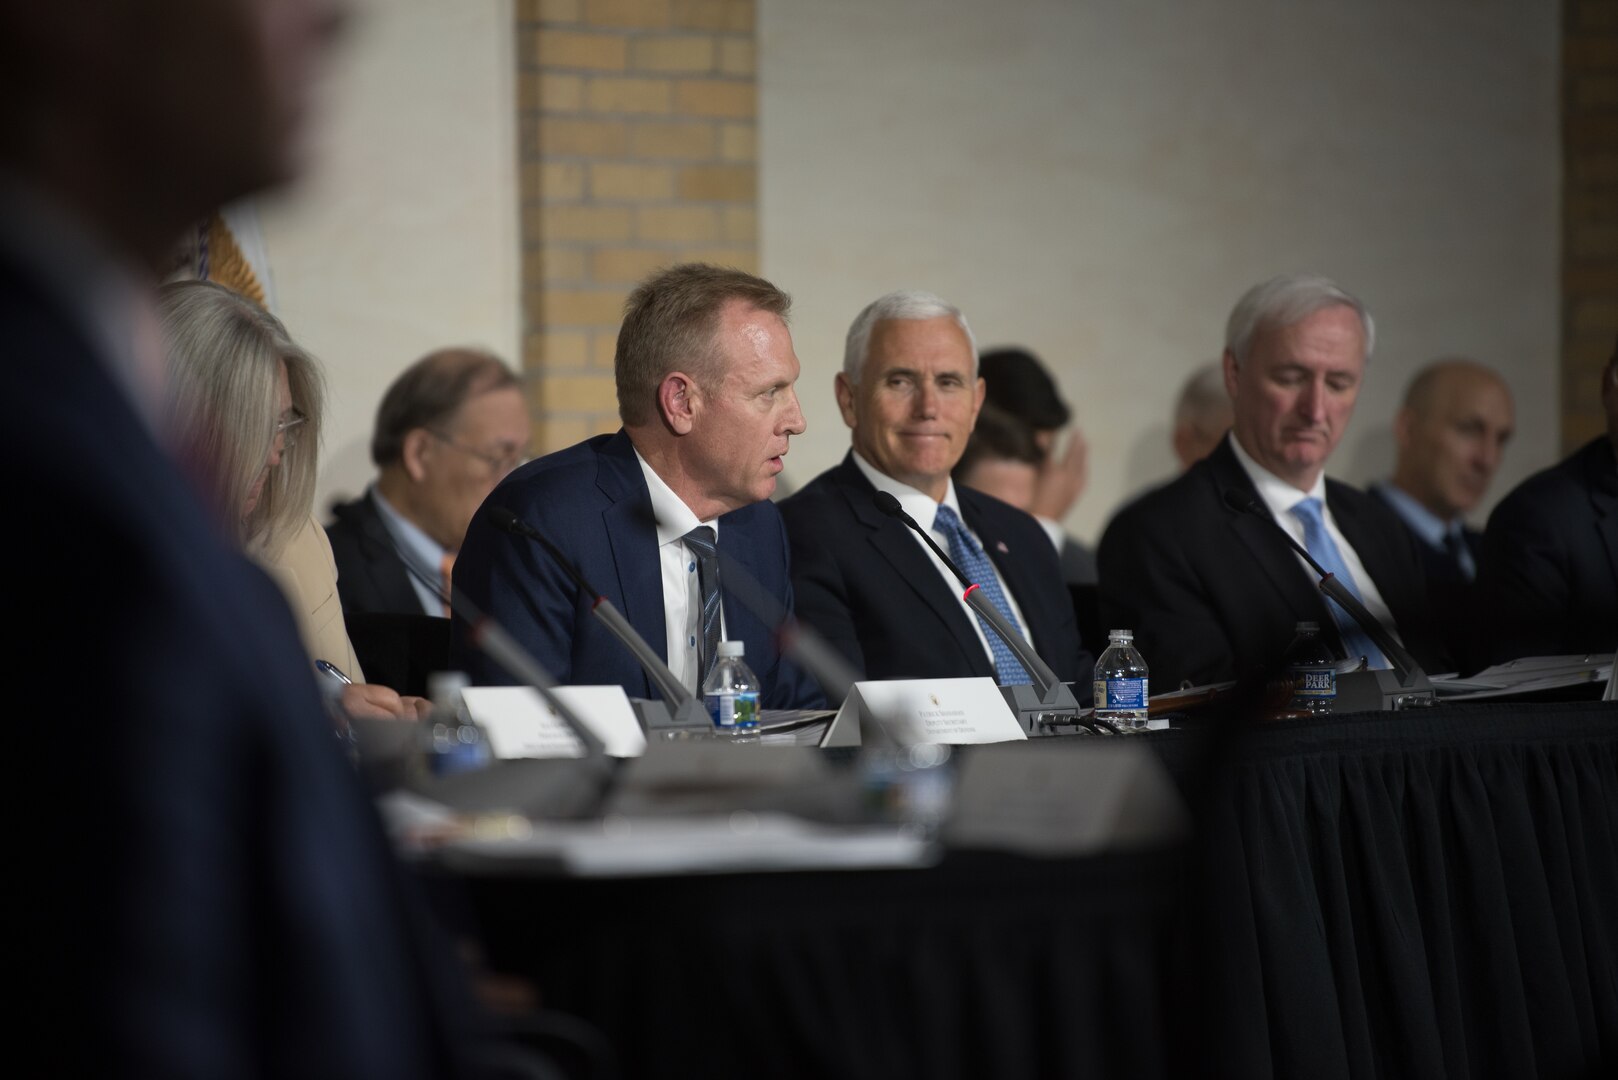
column 1312, row 667
column 1120, row 682
column 731, row 690
column 451, row 741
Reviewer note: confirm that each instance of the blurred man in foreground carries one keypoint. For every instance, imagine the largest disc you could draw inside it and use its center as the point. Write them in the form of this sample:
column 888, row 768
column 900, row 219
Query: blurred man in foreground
column 1212, row 590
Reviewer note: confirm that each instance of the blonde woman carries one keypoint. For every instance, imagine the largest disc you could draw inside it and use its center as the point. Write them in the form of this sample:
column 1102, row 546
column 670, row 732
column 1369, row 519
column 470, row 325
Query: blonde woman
column 244, row 407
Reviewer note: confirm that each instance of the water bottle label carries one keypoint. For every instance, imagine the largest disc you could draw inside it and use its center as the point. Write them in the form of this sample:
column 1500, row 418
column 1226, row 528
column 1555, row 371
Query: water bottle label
column 733, row 710
column 1314, row 684
column 1120, row 693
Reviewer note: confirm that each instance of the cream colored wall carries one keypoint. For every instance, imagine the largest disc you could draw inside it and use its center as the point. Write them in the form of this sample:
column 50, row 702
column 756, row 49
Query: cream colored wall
column 403, row 236
column 1101, row 180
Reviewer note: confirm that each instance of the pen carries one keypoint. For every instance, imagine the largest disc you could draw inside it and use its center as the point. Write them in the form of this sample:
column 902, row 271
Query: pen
column 331, row 670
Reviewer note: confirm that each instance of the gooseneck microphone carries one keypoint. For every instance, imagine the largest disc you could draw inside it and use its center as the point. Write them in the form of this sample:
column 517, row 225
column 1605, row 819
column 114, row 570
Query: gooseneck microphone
column 1044, row 678
column 673, row 691
column 1404, row 665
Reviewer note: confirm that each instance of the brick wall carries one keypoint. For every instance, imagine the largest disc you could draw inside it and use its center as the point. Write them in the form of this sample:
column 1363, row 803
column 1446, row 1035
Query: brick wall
column 637, row 141
column 1589, row 210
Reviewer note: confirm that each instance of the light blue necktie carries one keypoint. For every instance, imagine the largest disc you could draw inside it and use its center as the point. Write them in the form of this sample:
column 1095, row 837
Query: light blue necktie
column 970, row 558
column 1324, row 550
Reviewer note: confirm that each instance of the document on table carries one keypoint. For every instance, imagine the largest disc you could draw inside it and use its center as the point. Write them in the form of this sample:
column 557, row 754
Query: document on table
column 1525, row 676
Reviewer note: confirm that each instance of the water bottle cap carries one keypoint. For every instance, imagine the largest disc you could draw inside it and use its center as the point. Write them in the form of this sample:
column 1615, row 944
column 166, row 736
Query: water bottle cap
column 732, row 648
column 1121, row 635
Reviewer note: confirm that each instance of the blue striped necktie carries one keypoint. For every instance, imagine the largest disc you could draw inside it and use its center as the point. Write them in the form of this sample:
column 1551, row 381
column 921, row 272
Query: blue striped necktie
column 971, row 559
column 1320, row 545
column 704, row 544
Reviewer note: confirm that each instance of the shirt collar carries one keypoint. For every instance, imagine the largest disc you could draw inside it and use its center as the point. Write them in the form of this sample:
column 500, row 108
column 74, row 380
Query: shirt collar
column 1422, row 521
column 426, row 551
column 674, row 518
column 918, row 504
column 1278, row 495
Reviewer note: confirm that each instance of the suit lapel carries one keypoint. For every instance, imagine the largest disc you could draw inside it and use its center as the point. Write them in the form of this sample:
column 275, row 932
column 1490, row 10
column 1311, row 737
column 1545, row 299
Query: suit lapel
column 1015, row 567
column 894, row 542
column 1275, row 559
column 385, row 565
column 632, row 534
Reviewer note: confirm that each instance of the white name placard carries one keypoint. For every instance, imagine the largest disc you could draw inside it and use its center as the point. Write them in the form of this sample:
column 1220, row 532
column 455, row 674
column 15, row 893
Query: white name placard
column 522, row 725
column 952, row 711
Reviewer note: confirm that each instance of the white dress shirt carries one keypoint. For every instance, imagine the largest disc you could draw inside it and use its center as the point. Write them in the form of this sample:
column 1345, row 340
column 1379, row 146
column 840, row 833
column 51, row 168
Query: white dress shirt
column 1280, row 497
column 922, row 507
column 682, row 592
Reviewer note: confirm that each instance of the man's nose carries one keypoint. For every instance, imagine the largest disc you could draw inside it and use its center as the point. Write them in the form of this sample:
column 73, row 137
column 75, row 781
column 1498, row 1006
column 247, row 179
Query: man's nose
column 1312, row 402
column 793, row 422
column 925, row 403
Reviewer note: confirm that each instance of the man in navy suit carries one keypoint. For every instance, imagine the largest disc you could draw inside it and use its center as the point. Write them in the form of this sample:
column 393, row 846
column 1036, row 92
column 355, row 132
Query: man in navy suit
column 705, row 373
column 1213, row 592
column 910, row 393
column 209, row 892
column 1548, row 579
column 1451, row 434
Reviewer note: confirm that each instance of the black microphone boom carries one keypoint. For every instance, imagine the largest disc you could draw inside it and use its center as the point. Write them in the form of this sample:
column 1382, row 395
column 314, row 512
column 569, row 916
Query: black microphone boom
column 1044, row 678
column 1404, row 665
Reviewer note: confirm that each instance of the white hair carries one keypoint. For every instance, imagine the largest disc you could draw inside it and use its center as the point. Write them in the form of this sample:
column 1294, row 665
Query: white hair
column 1285, row 301
column 1204, row 404
column 902, row 304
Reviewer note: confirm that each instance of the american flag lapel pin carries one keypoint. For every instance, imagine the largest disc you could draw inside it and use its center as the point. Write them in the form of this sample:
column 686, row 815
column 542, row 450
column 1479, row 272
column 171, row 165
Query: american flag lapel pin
column 1000, row 546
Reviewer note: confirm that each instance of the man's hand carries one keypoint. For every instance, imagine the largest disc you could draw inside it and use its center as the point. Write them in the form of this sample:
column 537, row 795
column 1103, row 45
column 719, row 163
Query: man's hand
column 1062, row 479
column 372, row 701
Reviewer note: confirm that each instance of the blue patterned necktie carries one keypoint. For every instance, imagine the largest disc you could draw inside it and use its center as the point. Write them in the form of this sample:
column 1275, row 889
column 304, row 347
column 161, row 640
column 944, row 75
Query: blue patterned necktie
column 1320, row 545
column 970, row 558
column 704, row 544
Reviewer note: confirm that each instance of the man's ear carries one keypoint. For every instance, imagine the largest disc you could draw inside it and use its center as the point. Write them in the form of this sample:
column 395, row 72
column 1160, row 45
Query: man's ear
column 845, row 397
column 415, row 452
column 1231, row 369
column 678, row 402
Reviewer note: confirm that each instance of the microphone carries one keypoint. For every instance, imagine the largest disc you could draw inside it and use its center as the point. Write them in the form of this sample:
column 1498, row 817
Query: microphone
column 1405, row 667
column 1044, row 678
column 686, row 709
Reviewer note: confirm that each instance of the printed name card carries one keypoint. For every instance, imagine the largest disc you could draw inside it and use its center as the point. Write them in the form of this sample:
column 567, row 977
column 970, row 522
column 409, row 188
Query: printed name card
column 951, row 711
column 521, row 724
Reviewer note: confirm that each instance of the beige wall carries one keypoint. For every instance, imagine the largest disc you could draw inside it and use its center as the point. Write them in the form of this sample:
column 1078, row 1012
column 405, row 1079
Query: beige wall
column 403, row 237
column 1101, row 180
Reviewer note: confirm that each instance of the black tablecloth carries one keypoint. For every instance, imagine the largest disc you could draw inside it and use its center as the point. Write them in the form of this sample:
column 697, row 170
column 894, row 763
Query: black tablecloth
column 1426, row 894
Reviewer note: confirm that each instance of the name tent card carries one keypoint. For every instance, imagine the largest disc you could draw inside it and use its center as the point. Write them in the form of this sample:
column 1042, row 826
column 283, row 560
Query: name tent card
column 953, row 712
column 522, row 725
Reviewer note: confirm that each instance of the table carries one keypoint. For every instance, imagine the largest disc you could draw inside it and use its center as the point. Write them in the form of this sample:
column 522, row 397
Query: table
column 1430, row 894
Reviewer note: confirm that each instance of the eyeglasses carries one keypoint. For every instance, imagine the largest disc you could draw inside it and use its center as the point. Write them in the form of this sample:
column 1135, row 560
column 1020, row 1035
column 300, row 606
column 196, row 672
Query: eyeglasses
column 500, row 463
column 284, row 428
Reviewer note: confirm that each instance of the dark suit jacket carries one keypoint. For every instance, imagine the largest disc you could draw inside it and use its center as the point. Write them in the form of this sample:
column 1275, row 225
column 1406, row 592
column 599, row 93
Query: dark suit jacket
column 1214, row 594
column 207, row 881
column 1548, row 578
column 371, row 577
column 864, row 582
column 591, row 500
column 1452, row 597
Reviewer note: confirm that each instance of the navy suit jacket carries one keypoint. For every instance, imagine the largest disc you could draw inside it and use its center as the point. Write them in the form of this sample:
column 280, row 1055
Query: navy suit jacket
column 1213, row 593
column 1452, row 596
column 208, row 884
column 591, row 501
column 863, row 581
column 371, row 577
column 1549, row 573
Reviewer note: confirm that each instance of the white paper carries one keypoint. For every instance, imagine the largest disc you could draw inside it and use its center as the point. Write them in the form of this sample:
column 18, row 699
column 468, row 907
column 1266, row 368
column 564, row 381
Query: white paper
column 1525, row 676
column 521, row 725
column 949, row 711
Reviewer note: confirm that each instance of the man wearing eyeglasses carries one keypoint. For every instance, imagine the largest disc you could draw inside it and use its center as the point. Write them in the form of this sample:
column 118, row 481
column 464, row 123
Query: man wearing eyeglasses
column 448, row 430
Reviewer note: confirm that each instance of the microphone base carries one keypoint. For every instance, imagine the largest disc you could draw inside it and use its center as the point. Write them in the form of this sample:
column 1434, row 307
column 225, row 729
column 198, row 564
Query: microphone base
column 1039, row 714
column 654, row 716
column 1380, row 691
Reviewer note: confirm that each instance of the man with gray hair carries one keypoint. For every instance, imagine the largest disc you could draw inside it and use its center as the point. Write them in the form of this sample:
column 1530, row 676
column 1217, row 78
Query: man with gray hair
column 910, row 393
column 1202, row 415
column 1210, row 587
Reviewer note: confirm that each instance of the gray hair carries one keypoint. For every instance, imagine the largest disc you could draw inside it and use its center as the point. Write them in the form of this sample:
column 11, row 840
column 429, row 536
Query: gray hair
column 1204, row 403
column 903, row 304
column 1285, row 301
column 224, row 357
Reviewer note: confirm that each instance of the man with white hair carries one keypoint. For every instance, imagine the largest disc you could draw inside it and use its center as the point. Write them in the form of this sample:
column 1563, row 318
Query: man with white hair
column 1202, row 415
column 910, row 393
column 1212, row 590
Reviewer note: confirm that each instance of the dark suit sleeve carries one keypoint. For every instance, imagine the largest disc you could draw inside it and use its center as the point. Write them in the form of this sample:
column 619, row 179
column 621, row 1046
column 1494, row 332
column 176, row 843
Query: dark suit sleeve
column 518, row 587
column 1149, row 586
column 788, row 686
column 820, row 591
column 1523, row 593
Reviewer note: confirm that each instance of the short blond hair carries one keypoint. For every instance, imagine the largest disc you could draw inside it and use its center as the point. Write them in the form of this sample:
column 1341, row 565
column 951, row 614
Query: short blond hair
column 224, row 356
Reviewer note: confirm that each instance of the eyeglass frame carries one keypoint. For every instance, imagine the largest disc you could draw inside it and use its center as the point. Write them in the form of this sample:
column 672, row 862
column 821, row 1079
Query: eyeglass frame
column 502, row 465
column 284, row 429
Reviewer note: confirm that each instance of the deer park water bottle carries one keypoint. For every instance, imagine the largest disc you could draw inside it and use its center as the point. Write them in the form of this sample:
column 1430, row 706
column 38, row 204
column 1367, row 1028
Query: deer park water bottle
column 1313, row 669
column 1120, row 682
column 731, row 690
